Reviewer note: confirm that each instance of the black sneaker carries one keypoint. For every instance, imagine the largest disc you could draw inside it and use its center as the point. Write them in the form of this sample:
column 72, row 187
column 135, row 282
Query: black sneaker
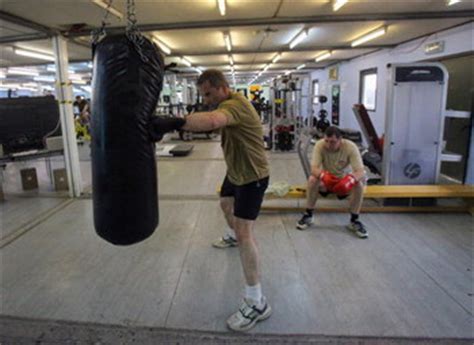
column 305, row 221
column 358, row 228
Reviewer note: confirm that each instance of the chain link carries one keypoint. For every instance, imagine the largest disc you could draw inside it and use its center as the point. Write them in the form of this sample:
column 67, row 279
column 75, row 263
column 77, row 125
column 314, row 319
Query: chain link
column 99, row 33
column 132, row 31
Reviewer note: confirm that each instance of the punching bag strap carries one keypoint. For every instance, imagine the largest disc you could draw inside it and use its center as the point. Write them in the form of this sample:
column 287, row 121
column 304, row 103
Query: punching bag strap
column 133, row 33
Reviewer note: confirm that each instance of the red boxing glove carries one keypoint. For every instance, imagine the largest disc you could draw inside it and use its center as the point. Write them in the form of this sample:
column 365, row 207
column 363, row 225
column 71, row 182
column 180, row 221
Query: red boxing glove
column 345, row 185
column 328, row 180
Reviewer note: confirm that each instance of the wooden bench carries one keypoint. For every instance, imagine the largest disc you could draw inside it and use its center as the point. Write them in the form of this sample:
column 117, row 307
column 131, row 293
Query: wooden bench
column 465, row 192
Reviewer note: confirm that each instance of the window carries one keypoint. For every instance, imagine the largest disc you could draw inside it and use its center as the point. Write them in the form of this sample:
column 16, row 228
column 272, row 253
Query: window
column 368, row 88
column 315, row 91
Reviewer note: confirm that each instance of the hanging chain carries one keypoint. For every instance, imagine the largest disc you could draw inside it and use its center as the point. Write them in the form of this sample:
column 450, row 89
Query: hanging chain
column 99, row 33
column 132, row 31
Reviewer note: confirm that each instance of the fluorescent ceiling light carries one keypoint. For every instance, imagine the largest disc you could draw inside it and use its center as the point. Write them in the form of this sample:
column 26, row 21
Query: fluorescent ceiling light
column 9, row 86
column 164, row 48
column 27, row 88
column 276, row 58
column 52, row 68
column 227, row 41
column 369, row 36
column 22, row 71
column 78, row 81
column 323, row 56
column 299, row 38
column 452, row 2
column 110, row 9
column 301, row 66
column 73, row 76
column 30, row 84
column 16, row 86
column 35, row 55
column 337, row 4
column 266, row 67
column 197, row 69
column 221, row 5
column 44, row 79
column 186, row 62
column 231, row 60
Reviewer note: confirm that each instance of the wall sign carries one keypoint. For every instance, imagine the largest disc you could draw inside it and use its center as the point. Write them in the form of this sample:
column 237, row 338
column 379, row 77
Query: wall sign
column 333, row 73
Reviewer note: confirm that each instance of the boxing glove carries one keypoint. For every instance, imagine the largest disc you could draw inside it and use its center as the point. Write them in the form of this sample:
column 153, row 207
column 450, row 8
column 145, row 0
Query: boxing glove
column 344, row 186
column 160, row 125
column 328, row 180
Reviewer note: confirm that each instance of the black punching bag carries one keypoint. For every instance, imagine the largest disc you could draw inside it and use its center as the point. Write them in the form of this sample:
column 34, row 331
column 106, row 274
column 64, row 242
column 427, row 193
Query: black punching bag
column 125, row 90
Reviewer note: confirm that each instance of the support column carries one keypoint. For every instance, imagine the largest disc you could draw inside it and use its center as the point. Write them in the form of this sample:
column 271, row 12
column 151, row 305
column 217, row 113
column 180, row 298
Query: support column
column 64, row 96
column 185, row 91
column 193, row 94
column 173, row 95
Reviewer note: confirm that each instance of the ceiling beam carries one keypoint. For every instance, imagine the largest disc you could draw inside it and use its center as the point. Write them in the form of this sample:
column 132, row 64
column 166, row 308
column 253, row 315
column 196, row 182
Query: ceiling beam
column 307, row 20
column 25, row 37
column 11, row 18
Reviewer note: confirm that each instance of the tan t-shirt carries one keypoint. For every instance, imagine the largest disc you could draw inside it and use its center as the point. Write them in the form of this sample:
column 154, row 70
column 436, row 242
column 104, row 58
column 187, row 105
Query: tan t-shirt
column 337, row 162
column 242, row 141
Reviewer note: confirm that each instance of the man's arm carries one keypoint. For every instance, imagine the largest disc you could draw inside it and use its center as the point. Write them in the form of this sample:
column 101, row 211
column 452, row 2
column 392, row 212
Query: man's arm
column 359, row 174
column 357, row 164
column 205, row 121
column 316, row 170
column 316, row 161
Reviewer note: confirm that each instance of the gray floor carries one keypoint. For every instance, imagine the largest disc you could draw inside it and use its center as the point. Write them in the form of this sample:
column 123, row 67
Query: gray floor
column 411, row 278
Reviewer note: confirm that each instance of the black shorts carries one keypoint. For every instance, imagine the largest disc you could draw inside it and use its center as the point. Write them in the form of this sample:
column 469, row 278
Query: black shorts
column 248, row 197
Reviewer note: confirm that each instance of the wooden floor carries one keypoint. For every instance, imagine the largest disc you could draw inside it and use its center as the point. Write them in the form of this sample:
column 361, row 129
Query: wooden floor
column 412, row 277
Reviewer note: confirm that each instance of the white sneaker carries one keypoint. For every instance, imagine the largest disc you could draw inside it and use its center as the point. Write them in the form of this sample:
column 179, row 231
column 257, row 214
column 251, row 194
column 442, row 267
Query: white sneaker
column 305, row 222
column 358, row 228
column 225, row 242
column 248, row 315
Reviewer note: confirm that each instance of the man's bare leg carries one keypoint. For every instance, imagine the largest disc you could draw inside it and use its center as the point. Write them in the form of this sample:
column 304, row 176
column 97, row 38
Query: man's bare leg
column 229, row 238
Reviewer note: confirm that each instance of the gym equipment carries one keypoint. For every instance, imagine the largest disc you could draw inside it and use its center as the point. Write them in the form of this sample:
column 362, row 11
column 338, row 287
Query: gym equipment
column 322, row 122
column 416, row 103
column 27, row 122
column 284, row 137
column 126, row 84
column 170, row 150
column 287, row 98
column 372, row 157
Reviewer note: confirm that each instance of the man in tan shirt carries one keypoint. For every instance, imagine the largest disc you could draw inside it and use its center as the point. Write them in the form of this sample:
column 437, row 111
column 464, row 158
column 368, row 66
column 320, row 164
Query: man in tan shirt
column 244, row 184
column 332, row 156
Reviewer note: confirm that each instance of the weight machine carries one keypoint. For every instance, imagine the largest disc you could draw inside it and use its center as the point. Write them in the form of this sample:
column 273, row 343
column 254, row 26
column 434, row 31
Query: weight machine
column 287, row 116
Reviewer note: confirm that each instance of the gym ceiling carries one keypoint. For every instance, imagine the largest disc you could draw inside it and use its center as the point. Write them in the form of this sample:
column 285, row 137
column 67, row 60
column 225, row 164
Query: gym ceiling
column 260, row 31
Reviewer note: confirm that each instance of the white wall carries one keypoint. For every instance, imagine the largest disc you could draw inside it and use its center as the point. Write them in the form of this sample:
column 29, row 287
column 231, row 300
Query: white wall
column 457, row 40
